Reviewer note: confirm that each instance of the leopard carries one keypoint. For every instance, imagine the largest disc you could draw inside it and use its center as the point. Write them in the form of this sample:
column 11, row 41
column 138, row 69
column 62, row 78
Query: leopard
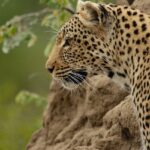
column 108, row 39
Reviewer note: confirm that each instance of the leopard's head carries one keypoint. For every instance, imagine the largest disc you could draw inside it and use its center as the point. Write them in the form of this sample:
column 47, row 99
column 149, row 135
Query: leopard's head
column 79, row 46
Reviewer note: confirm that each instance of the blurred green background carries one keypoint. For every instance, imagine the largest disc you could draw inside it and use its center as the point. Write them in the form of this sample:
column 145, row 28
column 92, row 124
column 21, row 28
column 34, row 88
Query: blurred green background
column 23, row 68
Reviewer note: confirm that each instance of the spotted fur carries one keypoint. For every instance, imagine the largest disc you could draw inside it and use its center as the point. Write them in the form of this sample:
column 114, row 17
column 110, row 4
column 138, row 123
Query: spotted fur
column 109, row 39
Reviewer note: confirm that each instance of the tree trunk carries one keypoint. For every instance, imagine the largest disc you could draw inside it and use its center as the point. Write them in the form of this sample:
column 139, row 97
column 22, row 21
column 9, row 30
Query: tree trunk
column 99, row 118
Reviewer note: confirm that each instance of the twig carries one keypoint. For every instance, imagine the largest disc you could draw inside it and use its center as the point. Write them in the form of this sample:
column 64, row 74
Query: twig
column 69, row 10
column 26, row 17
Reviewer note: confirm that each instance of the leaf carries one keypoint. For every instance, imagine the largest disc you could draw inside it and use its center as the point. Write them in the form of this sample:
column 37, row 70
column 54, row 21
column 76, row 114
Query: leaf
column 1, row 37
column 32, row 40
column 12, row 42
column 49, row 46
column 46, row 21
column 25, row 98
column 12, row 31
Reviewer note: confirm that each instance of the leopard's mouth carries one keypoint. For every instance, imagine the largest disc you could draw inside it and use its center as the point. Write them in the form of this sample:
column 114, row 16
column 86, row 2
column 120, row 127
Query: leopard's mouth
column 74, row 78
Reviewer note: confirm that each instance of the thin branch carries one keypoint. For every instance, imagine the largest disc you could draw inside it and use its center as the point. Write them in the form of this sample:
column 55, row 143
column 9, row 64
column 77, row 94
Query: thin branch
column 69, row 10
column 28, row 17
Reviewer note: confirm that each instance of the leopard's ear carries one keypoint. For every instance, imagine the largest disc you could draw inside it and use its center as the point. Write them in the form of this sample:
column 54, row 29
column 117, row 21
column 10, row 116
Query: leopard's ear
column 79, row 5
column 92, row 14
column 88, row 12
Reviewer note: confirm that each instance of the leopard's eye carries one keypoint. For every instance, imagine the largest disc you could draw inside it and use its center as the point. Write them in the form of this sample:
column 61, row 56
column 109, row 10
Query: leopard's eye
column 67, row 42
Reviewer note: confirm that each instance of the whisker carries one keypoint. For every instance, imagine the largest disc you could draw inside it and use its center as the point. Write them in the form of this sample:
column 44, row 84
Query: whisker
column 73, row 79
column 80, row 77
column 70, row 90
column 79, row 84
column 91, row 83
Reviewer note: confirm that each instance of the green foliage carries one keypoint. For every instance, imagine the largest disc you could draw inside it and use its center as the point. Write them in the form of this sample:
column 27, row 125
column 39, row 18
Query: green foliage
column 57, row 4
column 19, row 29
column 13, row 33
column 25, row 98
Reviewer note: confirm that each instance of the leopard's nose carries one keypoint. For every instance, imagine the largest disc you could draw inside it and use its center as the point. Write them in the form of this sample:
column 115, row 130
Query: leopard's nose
column 51, row 69
column 50, row 66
